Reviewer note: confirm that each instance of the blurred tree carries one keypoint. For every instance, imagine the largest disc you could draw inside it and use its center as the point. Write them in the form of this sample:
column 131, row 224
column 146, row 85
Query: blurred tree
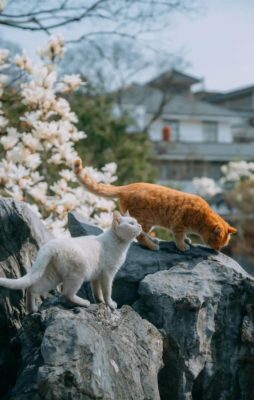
column 115, row 63
column 108, row 139
column 122, row 17
column 241, row 200
column 12, row 106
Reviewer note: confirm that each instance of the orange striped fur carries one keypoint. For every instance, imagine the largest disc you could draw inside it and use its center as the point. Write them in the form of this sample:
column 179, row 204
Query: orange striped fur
column 156, row 205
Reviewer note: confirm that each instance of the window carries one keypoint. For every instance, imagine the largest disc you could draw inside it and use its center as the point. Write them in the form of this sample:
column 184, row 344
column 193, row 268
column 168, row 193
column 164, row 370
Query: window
column 174, row 125
column 210, row 131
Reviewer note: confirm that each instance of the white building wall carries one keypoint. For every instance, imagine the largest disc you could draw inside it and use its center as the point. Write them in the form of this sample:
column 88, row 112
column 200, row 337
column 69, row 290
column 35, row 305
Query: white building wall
column 190, row 131
column 225, row 134
column 155, row 131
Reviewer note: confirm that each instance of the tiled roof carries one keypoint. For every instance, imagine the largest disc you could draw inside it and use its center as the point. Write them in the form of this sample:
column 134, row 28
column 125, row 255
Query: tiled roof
column 231, row 94
column 175, row 77
column 151, row 98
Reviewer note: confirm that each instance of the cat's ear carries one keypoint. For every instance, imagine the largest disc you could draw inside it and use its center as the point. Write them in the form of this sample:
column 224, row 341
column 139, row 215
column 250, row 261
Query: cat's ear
column 116, row 217
column 217, row 230
column 231, row 229
column 127, row 214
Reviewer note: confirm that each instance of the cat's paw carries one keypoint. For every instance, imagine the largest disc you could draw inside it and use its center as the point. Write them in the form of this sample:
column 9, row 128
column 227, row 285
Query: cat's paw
column 154, row 246
column 154, row 239
column 86, row 303
column 99, row 300
column 183, row 247
column 112, row 304
column 188, row 240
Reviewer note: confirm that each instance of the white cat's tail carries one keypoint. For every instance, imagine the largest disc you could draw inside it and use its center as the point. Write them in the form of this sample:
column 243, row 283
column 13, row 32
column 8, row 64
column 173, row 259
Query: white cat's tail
column 35, row 273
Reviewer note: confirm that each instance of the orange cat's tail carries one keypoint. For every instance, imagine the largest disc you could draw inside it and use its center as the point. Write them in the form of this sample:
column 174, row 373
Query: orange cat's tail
column 99, row 189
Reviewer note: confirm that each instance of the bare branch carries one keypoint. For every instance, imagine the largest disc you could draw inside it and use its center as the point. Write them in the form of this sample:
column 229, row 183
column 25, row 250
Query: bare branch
column 122, row 12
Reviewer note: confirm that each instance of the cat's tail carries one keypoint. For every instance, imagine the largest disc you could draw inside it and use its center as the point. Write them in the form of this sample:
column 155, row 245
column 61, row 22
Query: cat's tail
column 99, row 189
column 35, row 273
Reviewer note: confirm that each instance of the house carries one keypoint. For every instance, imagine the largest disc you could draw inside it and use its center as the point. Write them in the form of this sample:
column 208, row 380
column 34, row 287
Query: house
column 240, row 101
column 193, row 134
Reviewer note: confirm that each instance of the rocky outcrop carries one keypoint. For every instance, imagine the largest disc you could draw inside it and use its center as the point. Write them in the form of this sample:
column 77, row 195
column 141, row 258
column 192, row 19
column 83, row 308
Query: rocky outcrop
column 79, row 226
column 204, row 311
column 203, row 302
column 21, row 234
column 88, row 354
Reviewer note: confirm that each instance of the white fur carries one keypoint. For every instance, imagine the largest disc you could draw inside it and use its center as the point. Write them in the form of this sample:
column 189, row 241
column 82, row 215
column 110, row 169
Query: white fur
column 72, row 261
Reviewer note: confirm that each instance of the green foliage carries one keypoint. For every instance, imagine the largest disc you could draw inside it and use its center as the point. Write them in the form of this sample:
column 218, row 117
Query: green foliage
column 12, row 106
column 108, row 141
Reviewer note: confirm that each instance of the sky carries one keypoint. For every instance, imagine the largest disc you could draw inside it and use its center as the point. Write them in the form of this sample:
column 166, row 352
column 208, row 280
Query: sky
column 216, row 42
column 219, row 44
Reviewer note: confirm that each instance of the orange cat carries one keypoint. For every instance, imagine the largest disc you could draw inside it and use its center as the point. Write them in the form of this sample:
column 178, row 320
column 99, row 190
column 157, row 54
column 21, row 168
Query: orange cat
column 152, row 205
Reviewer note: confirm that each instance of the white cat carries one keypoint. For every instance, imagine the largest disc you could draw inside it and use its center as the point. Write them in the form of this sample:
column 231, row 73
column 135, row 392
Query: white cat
column 73, row 260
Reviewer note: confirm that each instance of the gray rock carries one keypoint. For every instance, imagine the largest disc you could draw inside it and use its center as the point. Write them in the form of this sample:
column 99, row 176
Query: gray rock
column 79, row 226
column 201, row 301
column 84, row 354
column 142, row 262
column 205, row 309
column 21, row 234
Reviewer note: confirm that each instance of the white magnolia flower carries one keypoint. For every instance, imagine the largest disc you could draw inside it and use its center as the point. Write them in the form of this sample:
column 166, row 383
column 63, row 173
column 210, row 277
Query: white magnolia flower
column 67, row 153
column 104, row 219
column 104, row 204
column 109, row 171
column 62, row 107
column 33, row 161
column 32, row 117
column 55, row 159
column 56, row 45
column 5, row 169
column 235, row 171
column 3, row 122
column 31, row 142
column 45, row 130
column 3, row 79
column 46, row 136
column 70, row 83
column 69, row 201
column 4, row 53
column 9, row 141
column 77, row 135
column 23, row 62
column 68, row 175
column 17, row 154
column 60, row 187
column 205, row 187
column 54, row 49
column 57, row 227
column 35, row 177
column 36, row 96
column 39, row 192
column 16, row 193
column 44, row 77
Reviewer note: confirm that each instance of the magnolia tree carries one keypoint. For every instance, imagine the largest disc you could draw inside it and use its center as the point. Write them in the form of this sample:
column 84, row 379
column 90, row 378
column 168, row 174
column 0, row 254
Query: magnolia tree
column 38, row 155
column 233, row 174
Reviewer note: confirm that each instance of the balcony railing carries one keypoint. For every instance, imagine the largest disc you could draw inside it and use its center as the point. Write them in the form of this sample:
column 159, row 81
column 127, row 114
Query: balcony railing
column 203, row 151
